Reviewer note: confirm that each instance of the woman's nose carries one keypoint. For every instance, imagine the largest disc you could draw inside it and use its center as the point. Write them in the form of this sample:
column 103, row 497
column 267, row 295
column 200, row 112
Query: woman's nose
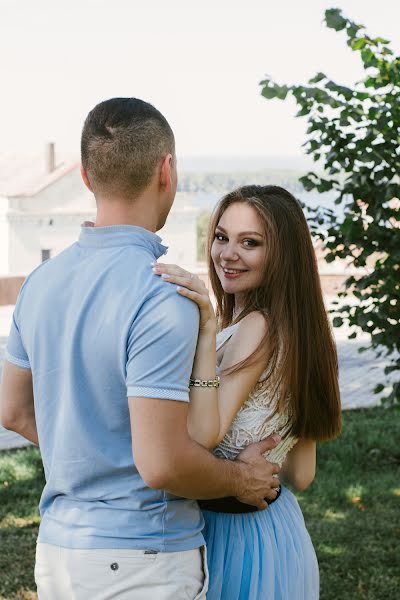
column 229, row 252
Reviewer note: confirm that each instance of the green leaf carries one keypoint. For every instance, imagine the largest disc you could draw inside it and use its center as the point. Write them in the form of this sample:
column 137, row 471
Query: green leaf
column 369, row 58
column 317, row 78
column 282, row 92
column 379, row 388
column 269, row 92
column 337, row 322
column 358, row 44
column 362, row 349
column 334, row 19
column 303, row 112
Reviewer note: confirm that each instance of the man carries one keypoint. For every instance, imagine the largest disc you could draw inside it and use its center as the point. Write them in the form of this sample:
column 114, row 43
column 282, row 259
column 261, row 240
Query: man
column 98, row 363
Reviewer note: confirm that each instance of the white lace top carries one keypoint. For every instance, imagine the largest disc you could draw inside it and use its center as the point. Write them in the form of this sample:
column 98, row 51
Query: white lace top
column 256, row 419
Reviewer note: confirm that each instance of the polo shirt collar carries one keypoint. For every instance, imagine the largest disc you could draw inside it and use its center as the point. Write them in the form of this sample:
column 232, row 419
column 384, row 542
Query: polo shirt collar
column 121, row 235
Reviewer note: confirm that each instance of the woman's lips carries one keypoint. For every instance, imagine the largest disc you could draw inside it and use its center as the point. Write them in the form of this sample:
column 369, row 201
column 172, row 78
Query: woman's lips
column 232, row 273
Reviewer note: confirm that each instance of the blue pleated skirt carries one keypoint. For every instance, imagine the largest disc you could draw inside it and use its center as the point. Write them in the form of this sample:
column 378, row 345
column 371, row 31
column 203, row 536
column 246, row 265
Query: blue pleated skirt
column 264, row 555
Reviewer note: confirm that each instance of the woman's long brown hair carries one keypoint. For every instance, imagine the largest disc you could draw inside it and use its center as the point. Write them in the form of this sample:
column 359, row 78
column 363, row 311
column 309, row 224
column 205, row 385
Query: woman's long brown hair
column 298, row 347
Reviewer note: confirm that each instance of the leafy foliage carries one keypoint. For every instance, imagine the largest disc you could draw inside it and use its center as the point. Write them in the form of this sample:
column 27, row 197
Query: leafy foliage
column 355, row 133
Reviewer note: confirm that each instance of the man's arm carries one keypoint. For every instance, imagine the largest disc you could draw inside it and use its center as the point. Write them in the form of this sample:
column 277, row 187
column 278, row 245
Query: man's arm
column 167, row 458
column 17, row 411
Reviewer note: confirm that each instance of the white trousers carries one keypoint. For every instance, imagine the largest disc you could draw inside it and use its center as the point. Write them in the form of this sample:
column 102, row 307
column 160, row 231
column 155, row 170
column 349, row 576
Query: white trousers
column 71, row 574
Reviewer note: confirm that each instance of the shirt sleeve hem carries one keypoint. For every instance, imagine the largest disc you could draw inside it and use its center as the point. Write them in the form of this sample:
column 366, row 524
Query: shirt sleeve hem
column 19, row 362
column 163, row 394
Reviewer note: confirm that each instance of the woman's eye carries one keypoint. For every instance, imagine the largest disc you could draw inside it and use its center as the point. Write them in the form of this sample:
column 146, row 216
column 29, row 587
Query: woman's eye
column 250, row 243
column 220, row 237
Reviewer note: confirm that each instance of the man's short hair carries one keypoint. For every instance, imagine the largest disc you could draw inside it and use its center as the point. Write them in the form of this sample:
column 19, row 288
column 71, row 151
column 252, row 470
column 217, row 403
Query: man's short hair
column 123, row 140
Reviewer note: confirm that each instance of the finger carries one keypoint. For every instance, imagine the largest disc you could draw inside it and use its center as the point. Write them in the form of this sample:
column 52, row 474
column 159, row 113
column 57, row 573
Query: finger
column 270, row 497
column 275, row 483
column 192, row 295
column 275, row 468
column 191, row 284
column 158, row 265
column 269, row 443
column 160, row 268
column 271, row 494
column 261, row 504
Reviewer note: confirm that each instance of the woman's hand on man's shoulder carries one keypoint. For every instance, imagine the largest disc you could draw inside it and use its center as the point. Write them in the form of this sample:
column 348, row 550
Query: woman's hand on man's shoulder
column 192, row 287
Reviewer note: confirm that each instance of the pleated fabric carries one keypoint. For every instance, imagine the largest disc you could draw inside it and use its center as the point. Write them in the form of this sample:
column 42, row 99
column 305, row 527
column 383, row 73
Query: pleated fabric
column 265, row 555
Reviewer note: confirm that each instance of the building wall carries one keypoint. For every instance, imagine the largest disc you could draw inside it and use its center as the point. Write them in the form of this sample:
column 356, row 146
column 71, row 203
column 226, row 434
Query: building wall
column 51, row 220
column 32, row 233
column 66, row 193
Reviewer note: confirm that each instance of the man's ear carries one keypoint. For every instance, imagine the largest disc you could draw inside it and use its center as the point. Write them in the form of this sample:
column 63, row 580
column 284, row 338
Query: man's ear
column 166, row 173
column 85, row 179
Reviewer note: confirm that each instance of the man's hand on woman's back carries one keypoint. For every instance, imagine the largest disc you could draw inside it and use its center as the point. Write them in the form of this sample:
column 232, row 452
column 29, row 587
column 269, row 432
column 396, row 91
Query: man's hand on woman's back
column 259, row 483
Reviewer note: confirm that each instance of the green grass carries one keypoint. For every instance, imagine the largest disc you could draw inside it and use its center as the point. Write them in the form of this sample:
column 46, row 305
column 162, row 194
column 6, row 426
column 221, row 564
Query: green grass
column 351, row 510
column 21, row 483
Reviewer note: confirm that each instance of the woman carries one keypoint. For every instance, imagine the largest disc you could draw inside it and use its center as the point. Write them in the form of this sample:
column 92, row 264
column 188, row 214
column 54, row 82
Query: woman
column 277, row 364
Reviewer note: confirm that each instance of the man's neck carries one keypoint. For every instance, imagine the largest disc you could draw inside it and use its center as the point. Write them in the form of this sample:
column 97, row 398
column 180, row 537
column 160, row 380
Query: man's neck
column 141, row 212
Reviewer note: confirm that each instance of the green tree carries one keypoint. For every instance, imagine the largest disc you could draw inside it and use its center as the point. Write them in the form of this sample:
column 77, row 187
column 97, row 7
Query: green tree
column 355, row 132
column 202, row 227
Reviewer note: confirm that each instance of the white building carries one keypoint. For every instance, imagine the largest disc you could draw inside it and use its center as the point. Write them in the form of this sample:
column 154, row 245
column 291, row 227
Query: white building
column 42, row 208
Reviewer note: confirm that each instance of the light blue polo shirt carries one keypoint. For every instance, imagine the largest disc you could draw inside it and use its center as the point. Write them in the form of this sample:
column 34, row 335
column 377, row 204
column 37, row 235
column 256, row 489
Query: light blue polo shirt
column 95, row 325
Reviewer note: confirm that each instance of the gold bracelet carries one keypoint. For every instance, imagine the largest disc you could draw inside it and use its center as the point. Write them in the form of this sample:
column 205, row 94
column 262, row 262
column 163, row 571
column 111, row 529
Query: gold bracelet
column 204, row 382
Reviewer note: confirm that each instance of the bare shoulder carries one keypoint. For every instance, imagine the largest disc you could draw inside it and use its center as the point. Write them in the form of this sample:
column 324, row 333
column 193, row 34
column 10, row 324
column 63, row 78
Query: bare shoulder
column 246, row 339
column 253, row 325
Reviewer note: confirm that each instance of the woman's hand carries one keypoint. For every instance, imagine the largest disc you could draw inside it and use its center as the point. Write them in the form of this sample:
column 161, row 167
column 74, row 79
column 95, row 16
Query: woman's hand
column 191, row 286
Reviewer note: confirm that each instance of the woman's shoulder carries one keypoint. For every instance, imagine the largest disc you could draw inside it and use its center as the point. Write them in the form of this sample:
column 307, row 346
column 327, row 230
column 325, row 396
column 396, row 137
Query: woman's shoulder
column 248, row 333
column 255, row 322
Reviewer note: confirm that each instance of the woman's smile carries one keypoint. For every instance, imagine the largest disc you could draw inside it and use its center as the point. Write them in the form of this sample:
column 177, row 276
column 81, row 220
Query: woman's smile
column 238, row 250
column 230, row 273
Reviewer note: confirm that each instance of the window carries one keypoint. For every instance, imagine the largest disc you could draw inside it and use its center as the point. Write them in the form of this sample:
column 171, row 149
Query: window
column 46, row 254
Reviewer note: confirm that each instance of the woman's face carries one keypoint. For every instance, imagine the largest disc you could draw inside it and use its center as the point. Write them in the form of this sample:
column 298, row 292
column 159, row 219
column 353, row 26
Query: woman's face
column 239, row 248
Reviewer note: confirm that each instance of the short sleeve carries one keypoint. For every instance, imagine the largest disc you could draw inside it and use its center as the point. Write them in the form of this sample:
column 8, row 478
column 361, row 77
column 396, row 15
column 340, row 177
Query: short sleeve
column 15, row 351
column 161, row 347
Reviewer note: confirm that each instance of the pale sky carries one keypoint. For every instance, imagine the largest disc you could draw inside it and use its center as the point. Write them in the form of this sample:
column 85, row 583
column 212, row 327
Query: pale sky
column 198, row 62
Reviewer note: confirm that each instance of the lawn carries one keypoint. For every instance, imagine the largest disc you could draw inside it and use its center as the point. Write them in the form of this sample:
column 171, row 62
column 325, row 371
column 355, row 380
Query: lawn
column 352, row 512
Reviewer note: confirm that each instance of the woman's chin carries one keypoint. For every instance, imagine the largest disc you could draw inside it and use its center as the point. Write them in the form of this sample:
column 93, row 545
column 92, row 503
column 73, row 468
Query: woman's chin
column 230, row 288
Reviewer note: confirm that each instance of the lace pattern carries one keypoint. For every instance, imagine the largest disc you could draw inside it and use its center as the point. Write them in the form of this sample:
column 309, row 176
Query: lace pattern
column 256, row 419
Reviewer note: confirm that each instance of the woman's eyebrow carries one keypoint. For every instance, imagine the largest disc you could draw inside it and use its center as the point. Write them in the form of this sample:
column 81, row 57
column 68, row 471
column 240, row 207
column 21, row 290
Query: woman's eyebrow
column 242, row 232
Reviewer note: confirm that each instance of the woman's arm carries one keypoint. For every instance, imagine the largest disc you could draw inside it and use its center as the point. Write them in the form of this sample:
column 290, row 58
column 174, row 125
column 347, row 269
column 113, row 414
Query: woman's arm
column 203, row 414
column 299, row 467
column 236, row 387
column 212, row 410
